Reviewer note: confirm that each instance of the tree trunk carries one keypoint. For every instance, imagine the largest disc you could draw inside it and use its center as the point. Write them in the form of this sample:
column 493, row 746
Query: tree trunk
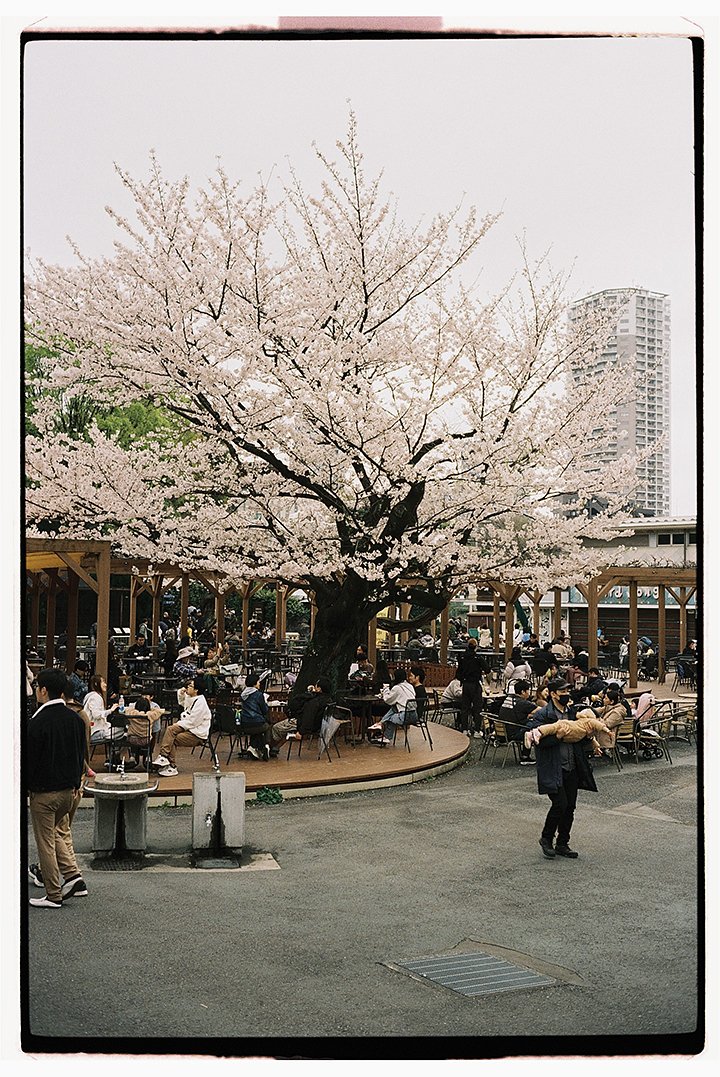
column 343, row 614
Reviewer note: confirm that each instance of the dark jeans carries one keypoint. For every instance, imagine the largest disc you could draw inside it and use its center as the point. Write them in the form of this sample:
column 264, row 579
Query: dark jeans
column 471, row 700
column 562, row 812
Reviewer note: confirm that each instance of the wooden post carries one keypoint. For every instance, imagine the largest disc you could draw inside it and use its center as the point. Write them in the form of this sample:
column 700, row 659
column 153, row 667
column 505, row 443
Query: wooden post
column 509, row 621
column 245, row 593
column 103, row 612
column 444, row 634
column 157, row 590
column 683, row 617
column 662, row 646
column 592, row 601
column 281, row 597
column 184, row 602
column 50, row 618
column 496, row 620
column 220, row 617
column 633, row 633
column 134, row 589
column 557, row 612
column 313, row 614
column 72, row 620
column 372, row 642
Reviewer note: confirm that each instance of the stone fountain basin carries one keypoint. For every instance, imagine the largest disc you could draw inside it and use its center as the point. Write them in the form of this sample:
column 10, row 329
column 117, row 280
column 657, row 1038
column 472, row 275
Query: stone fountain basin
column 122, row 785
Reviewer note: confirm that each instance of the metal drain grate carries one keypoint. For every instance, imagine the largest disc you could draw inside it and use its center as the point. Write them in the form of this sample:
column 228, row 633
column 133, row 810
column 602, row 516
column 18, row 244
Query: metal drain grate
column 112, row 863
column 476, row 973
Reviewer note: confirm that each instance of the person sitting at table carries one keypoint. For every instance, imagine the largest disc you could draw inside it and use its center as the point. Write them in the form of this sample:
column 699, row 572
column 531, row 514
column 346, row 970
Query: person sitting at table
column 170, row 655
column 518, row 668
column 562, row 648
column 363, row 675
column 396, row 698
column 552, row 673
column 190, row 730
column 94, row 706
column 686, row 661
column 416, row 677
column 186, row 662
column 254, row 713
column 485, row 639
column 78, row 681
column 139, row 649
column 516, row 708
column 142, row 728
column 305, row 713
column 611, row 709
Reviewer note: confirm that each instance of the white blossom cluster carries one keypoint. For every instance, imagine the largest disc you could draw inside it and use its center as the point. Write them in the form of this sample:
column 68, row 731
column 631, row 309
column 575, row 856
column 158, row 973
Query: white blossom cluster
column 347, row 406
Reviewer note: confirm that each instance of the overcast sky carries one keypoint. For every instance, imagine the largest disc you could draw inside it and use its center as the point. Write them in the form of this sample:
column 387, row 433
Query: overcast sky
column 585, row 145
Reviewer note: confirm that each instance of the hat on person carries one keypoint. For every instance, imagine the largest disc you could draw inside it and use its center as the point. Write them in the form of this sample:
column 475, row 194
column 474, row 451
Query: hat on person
column 185, row 652
column 557, row 684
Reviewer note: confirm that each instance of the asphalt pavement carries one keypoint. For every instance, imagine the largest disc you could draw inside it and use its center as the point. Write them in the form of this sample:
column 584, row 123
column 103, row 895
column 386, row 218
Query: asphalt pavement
column 301, row 958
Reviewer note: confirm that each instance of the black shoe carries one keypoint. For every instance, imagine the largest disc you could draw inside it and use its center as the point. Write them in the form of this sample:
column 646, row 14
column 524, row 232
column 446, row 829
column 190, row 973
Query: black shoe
column 565, row 850
column 547, row 848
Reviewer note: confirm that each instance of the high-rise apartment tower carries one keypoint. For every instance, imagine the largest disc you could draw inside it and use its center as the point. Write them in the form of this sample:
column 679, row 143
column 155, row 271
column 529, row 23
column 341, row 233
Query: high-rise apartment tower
column 641, row 340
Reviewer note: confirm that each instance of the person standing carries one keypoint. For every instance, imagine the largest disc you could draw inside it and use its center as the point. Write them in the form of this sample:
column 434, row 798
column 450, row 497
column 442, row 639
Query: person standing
column 562, row 769
column 56, row 753
column 470, row 670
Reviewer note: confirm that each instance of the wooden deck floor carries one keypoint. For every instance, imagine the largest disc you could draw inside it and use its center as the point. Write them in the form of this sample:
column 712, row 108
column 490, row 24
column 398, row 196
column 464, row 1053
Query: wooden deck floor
column 363, row 765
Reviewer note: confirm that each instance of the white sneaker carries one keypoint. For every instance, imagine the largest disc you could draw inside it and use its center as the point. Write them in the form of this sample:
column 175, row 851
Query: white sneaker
column 251, row 751
column 168, row 772
column 45, row 903
column 161, row 761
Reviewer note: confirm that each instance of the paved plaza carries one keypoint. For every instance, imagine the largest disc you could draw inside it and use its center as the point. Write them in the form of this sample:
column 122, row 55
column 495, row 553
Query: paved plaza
column 296, row 958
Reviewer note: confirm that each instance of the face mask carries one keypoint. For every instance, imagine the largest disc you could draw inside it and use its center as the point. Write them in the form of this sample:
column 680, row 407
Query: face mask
column 564, row 699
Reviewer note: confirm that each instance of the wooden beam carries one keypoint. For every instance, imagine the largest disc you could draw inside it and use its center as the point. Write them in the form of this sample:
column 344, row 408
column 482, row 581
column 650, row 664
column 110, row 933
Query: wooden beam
column 683, row 618
column 496, row 620
column 72, row 620
column 633, row 633
column 103, row 612
column 509, row 621
column 78, row 570
column 404, row 614
column 245, row 616
column 604, row 589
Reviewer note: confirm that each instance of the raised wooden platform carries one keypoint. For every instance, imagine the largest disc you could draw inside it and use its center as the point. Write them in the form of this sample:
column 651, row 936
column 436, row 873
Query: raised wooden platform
column 362, row 766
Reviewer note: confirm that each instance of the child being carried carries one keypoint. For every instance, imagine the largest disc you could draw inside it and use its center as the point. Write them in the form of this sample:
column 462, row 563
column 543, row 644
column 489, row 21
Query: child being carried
column 585, row 724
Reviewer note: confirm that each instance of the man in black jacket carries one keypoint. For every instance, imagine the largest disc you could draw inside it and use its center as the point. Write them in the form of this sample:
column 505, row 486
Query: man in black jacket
column 56, row 741
column 470, row 670
column 562, row 769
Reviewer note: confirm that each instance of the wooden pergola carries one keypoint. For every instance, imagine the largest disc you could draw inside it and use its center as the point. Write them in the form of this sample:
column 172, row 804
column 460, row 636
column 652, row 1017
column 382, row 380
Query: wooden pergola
column 52, row 564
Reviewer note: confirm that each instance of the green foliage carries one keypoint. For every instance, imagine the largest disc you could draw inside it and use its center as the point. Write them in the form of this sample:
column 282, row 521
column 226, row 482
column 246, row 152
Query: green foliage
column 74, row 414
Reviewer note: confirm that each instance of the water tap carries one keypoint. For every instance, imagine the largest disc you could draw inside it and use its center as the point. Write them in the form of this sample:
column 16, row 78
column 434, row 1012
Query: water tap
column 208, row 820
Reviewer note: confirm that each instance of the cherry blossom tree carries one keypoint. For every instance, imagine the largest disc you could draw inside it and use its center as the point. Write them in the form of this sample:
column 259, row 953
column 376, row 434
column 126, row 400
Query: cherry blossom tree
column 354, row 416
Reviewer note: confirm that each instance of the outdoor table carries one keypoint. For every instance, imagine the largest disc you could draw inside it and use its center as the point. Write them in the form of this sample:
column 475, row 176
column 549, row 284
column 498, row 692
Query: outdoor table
column 364, row 703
